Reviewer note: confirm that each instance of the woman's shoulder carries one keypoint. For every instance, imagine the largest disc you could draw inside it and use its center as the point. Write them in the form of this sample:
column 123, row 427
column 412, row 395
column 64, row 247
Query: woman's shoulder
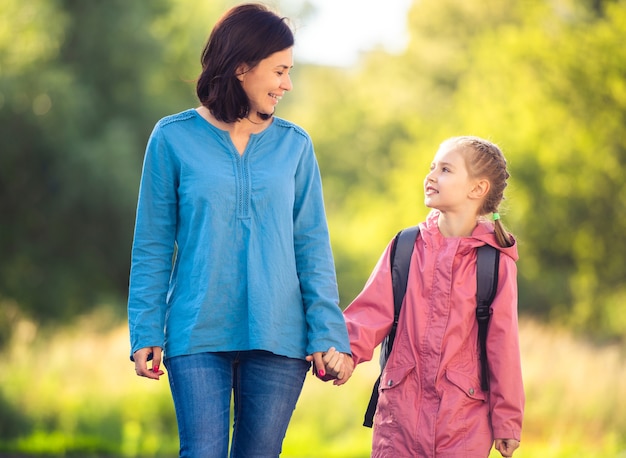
column 185, row 115
column 184, row 125
column 290, row 127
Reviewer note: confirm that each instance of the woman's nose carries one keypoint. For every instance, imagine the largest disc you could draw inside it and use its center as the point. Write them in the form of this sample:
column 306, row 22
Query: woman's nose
column 286, row 83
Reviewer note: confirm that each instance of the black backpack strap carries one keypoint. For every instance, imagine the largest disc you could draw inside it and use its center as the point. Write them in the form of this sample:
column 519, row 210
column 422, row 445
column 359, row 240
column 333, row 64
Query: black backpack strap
column 486, row 288
column 400, row 259
column 400, row 262
column 368, row 420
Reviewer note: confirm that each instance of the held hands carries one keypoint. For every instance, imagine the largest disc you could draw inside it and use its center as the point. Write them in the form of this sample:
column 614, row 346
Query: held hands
column 506, row 447
column 141, row 358
column 331, row 365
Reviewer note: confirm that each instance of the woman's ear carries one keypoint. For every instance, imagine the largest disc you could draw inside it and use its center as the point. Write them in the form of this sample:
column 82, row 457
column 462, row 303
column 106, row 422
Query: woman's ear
column 241, row 71
column 480, row 189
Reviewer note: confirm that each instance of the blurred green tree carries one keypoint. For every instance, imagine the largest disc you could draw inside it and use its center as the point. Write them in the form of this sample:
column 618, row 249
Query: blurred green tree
column 545, row 80
column 81, row 85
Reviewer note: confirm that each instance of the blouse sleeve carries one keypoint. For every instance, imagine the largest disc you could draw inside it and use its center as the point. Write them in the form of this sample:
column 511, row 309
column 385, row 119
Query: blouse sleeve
column 314, row 260
column 153, row 245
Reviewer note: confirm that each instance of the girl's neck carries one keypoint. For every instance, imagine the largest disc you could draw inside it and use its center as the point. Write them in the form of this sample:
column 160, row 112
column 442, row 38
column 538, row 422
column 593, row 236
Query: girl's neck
column 456, row 225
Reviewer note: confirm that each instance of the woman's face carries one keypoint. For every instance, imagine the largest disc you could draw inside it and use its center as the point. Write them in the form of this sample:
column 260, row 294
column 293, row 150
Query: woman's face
column 266, row 83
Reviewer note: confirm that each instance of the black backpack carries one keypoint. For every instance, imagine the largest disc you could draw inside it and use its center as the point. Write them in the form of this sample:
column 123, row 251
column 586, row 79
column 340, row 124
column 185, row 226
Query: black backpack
column 486, row 282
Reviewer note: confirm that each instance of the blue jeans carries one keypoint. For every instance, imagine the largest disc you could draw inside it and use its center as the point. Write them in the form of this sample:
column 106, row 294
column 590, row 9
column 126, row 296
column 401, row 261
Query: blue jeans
column 266, row 388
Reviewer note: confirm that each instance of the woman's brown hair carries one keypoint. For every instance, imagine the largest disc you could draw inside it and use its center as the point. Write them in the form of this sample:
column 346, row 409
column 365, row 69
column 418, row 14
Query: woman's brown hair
column 245, row 34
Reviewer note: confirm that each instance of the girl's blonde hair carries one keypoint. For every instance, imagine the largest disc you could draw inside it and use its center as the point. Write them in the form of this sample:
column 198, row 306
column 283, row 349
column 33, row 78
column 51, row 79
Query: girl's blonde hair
column 485, row 160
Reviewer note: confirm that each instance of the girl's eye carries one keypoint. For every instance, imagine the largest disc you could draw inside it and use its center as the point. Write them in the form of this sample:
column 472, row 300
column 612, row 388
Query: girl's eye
column 280, row 73
column 445, row 169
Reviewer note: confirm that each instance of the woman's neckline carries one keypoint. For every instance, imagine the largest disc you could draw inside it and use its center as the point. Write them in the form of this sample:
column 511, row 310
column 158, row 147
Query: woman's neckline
column 203, row 113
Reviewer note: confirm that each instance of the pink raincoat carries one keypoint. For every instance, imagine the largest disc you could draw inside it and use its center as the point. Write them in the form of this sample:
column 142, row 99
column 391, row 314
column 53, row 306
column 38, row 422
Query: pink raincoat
column 431, row 403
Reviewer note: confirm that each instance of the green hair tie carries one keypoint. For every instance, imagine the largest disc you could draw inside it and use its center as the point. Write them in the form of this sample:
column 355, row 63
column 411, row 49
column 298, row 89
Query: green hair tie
column 496, row 216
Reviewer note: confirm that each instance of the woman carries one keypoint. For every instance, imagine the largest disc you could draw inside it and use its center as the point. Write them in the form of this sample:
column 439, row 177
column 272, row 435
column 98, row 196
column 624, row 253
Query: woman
column 232, row 274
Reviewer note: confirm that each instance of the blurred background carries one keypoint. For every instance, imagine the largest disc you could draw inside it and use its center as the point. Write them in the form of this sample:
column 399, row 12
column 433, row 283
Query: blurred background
column 378, row 85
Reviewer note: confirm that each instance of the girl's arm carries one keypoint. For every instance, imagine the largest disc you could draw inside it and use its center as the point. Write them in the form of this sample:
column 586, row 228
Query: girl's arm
column 370, row 316
column 503, row 353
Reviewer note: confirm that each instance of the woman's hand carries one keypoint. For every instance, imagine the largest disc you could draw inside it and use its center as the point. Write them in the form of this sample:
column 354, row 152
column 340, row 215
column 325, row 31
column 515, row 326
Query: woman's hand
column 141, row 358
column 332, row 365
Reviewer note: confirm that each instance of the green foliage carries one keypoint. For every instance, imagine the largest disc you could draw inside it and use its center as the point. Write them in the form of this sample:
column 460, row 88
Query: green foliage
column 81, row 397
column 75, row 393
column 550, row 90
column 82, row 89
column 81, row 85
column 546, row 81
column 79, row 93
column 61, row 206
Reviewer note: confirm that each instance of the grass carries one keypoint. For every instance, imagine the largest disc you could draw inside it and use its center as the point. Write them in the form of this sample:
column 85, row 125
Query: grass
column 74, row 393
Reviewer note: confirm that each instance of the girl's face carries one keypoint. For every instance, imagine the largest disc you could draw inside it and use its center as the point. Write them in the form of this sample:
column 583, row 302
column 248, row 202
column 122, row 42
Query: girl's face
column 448, row 184
column 266, row 83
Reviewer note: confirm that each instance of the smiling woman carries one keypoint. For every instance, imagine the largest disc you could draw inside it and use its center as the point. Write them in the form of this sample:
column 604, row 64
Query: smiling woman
column 233, row 194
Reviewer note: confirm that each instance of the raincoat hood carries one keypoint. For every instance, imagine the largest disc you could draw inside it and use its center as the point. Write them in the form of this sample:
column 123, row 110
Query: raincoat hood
column 483, row 234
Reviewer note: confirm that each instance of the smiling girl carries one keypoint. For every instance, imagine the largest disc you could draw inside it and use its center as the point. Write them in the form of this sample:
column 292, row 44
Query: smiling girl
column 430, row 400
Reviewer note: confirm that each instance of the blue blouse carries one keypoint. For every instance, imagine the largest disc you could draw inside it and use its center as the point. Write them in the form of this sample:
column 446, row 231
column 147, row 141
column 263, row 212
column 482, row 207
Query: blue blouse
column 231, row 252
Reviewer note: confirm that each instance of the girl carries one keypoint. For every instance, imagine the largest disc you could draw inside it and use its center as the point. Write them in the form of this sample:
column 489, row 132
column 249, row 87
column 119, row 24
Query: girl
column 431, row 403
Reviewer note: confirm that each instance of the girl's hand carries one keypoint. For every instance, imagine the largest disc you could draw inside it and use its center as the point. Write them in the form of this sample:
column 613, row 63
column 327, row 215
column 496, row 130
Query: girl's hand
column 348, row 368
column 506, row 447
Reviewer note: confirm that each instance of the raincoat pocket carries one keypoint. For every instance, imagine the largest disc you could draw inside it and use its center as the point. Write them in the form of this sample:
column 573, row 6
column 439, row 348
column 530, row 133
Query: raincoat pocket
column 393, row 377
column 463, row 425
column 398, row 393
column 395, row 415
column 467, row 384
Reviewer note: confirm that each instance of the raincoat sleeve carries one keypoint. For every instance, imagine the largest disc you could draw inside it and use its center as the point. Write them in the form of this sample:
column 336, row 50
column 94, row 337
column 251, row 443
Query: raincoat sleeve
column 506, row 394
column 370, row 316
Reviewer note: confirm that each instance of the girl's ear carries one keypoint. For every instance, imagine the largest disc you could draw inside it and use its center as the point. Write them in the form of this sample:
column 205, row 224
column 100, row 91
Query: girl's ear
column 480, row 189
